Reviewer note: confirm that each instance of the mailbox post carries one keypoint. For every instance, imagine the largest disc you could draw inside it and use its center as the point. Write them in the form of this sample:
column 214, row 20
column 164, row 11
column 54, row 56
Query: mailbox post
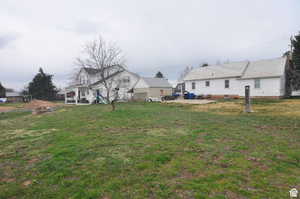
column 247, row 100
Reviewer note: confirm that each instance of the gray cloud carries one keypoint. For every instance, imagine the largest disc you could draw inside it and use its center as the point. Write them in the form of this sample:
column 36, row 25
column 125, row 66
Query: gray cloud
column 154, row 35
column 85, row 27
column 5, row 39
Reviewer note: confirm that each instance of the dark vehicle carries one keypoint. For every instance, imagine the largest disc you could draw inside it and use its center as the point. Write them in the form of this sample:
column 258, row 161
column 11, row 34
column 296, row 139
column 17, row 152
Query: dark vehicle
column 170, row 97
column 188, row 95
column 200, row 97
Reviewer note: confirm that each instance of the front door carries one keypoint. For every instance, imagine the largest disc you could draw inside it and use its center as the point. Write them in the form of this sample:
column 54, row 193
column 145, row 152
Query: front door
column 161, row 92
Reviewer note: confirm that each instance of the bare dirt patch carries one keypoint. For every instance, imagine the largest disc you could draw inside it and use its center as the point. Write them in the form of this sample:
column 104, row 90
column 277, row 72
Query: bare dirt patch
column 8, row 180
column 34, row 104
column 27, row 183
column 6, row 109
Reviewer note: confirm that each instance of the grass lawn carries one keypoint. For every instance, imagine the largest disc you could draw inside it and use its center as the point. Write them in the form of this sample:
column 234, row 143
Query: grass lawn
column 152, row 150
column 15, row 105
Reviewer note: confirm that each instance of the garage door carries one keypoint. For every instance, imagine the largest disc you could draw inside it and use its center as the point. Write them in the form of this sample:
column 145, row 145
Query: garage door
column 140, row 96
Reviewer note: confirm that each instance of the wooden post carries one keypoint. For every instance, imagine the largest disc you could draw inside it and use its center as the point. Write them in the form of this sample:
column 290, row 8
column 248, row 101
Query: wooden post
column 247, row 100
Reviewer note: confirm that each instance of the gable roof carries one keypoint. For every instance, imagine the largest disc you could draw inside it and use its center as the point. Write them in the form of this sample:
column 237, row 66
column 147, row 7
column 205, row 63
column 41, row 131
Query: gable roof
column 153, row 82
column 13, row 94
column 234, row 69
column 106, row 78
column 91, row 71
column 265, row 68
column 242, row 70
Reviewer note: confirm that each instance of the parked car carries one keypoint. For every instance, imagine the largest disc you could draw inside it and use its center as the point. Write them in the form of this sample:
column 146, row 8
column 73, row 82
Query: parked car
column 3, row 100
column 169, row 97
column 153, row 99
column 200, row 97
column 188, row 95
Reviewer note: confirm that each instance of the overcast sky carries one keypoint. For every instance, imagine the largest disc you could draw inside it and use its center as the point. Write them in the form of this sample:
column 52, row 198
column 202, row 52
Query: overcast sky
column 165, row 35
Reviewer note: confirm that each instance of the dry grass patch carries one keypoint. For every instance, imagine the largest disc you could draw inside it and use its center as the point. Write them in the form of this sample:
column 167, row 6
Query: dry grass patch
column 21, row 133
column 289, row 108
column 222, row 108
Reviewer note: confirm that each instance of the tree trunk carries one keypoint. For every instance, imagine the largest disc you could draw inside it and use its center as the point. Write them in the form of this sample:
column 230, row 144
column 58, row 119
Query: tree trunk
column 113, row 106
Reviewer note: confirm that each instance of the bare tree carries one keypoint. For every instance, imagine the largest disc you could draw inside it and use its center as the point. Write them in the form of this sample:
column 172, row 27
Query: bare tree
column 184, row 73
column 109, row 61
column 227, row 61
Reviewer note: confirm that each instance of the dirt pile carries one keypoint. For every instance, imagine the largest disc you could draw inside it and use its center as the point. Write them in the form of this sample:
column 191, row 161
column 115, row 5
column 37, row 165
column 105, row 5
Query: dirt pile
column 39, row 105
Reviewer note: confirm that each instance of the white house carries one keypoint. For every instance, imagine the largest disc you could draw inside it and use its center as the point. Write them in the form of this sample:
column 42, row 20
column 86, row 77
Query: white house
column 88, row 86
column 266, row 78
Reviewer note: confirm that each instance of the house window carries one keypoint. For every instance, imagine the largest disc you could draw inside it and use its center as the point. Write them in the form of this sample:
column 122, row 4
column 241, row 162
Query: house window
column 193, row 85
column 257, row 83
column 126, row 79
column 124, row 82
column 207, row 83
column 226, row 83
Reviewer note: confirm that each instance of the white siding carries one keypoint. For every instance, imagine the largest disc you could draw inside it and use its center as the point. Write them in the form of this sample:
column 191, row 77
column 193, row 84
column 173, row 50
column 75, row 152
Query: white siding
column 123, row 91
column 141, row 84
column 282, row 85
column 216, row 87
column 268, row 87
column 82, row 77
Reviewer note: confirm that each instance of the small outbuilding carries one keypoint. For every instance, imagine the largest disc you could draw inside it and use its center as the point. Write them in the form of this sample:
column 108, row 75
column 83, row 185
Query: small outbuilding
column 148, row 87
column 13, row 96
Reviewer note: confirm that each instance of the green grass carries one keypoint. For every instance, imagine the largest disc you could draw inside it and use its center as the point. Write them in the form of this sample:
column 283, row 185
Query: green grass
column 13, row 114
column 149, row 150
column 16, row 105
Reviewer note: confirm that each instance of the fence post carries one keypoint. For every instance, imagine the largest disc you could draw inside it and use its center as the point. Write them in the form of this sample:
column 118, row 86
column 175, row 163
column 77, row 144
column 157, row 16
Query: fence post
column 247, row 100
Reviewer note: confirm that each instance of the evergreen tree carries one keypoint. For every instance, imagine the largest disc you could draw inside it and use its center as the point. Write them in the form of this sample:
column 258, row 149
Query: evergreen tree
column 159, row 75
column 206, row 64
column 41, row 87
column 296, row 51
column 293, row 71
column 2, row 90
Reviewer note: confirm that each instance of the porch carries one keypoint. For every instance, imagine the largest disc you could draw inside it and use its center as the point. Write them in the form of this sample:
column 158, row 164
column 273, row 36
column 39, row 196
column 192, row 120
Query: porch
column 79, row 95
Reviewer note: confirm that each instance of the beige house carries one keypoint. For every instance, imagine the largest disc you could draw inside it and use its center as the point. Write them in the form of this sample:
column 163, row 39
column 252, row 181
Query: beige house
column 148, row 88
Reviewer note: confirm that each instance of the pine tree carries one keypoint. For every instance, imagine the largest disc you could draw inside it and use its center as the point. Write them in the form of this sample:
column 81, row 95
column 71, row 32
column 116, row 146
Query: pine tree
column 2, row 90
column 159, row 75
column 296, row 51
column 293, row 72
column 206, row 64
column 41, row 87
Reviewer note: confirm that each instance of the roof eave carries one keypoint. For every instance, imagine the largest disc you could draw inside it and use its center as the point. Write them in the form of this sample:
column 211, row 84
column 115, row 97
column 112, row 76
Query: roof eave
column 260, row 77
column 212, row 78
